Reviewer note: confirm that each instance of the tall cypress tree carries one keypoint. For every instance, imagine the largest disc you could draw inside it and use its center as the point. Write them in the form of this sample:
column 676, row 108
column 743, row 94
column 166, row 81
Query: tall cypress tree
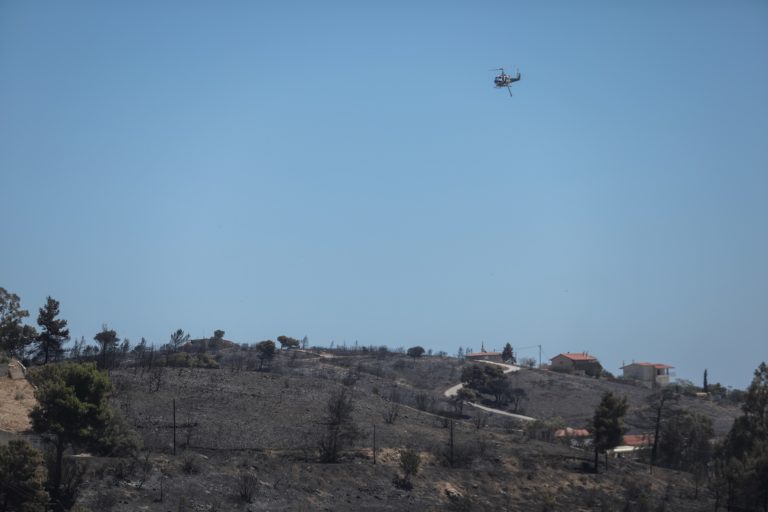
column 507, row 355
column 54, row 332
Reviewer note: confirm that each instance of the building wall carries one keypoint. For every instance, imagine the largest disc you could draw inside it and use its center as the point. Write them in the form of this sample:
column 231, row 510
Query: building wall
column 649, row 375
column 496, row 358
column 637, row 372
column 662, row 380
column 561, row 362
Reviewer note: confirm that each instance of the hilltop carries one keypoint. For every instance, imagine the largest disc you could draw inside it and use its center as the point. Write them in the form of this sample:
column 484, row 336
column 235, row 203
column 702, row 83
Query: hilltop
column 248, row 440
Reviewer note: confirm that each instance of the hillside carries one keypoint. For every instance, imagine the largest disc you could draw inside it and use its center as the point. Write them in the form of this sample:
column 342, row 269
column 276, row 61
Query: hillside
column 240, row 430
column 17, row 398
column 573, row 398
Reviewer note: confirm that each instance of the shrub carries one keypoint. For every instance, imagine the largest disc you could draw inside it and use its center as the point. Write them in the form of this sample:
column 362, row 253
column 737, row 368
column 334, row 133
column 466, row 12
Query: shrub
column 118, row 439
column 179, row 360
column 190, row 465
column 350, row 379
column 22, row 478
column 410, row 460
column 186, row 360
column 247, row 484
column 391, row 412
column 409, row 464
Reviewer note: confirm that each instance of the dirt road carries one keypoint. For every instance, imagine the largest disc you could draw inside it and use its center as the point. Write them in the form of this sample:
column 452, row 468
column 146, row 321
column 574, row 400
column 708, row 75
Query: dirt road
column 508, row 368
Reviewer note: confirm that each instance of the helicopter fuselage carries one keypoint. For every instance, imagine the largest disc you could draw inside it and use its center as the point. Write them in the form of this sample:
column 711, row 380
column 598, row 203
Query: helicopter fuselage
column 505, row 80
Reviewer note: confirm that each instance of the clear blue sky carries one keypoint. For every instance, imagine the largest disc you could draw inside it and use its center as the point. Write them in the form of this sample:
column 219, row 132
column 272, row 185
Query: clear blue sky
column 345, row 171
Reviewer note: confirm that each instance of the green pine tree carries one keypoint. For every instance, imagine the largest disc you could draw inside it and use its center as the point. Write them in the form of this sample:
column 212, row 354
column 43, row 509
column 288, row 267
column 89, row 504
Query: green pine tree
column 54, row 332
column 72, row 408
column 608, row 424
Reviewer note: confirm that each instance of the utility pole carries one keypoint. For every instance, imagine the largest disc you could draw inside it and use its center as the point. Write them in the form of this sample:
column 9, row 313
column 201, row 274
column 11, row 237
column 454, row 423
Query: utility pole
column 174, row 426
column 451, row 443
column 374, row 444
column 539, row 357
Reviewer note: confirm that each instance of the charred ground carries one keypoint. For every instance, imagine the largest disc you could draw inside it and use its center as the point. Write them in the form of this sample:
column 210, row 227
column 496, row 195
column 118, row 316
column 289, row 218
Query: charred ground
column 248, row 440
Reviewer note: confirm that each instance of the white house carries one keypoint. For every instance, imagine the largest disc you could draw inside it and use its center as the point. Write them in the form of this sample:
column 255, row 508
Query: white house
column 650, row 374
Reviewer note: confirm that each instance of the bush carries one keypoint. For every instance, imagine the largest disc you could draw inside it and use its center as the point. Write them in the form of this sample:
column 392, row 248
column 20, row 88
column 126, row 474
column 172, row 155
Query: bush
column 22, row 477
column 190, row 465
column 247, row 483
column 410, row 460
column 118, row 439
column 409, row 464
column 350, row 379
column 186, row 360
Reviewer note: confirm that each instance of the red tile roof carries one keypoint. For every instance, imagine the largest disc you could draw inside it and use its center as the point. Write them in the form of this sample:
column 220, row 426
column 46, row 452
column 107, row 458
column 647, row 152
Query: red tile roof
column 478, row 354
column 577, row 356
column 637, row 439
column 572, row 432
column 655, row 365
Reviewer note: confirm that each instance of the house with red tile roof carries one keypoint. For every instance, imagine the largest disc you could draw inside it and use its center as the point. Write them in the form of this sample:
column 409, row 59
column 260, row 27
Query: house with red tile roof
column 631, row 444
column 637, row 440
column 571, row 432
column 575, row 362
column 488, row 356
column 483, row 355
column 576, row 437
column 649, row 374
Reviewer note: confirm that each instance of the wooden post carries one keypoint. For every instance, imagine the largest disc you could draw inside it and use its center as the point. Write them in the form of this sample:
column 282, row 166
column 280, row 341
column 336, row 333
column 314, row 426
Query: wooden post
column 174, row 426
column 374, row 444
column 451, row 443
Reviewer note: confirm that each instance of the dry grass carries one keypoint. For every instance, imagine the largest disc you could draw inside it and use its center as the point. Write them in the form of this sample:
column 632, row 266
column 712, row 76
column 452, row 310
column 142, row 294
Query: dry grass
column 17, row 398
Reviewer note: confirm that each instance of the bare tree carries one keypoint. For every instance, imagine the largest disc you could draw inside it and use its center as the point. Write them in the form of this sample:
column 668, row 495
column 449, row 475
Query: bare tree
column 178, row 339
column 340, row 429
column 392, row 407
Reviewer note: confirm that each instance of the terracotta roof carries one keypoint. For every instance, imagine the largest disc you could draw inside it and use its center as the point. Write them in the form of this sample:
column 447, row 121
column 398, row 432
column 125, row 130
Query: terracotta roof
column 655, row 365
column 471, row 354
column 572, row 432
column 577, row 356
column 637, row 440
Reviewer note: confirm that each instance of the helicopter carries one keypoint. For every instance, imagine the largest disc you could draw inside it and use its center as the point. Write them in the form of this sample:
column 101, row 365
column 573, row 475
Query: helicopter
column 505, row 80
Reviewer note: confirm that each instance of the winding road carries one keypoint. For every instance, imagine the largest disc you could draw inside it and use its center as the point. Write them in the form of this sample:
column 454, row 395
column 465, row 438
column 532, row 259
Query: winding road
column 508, row 368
